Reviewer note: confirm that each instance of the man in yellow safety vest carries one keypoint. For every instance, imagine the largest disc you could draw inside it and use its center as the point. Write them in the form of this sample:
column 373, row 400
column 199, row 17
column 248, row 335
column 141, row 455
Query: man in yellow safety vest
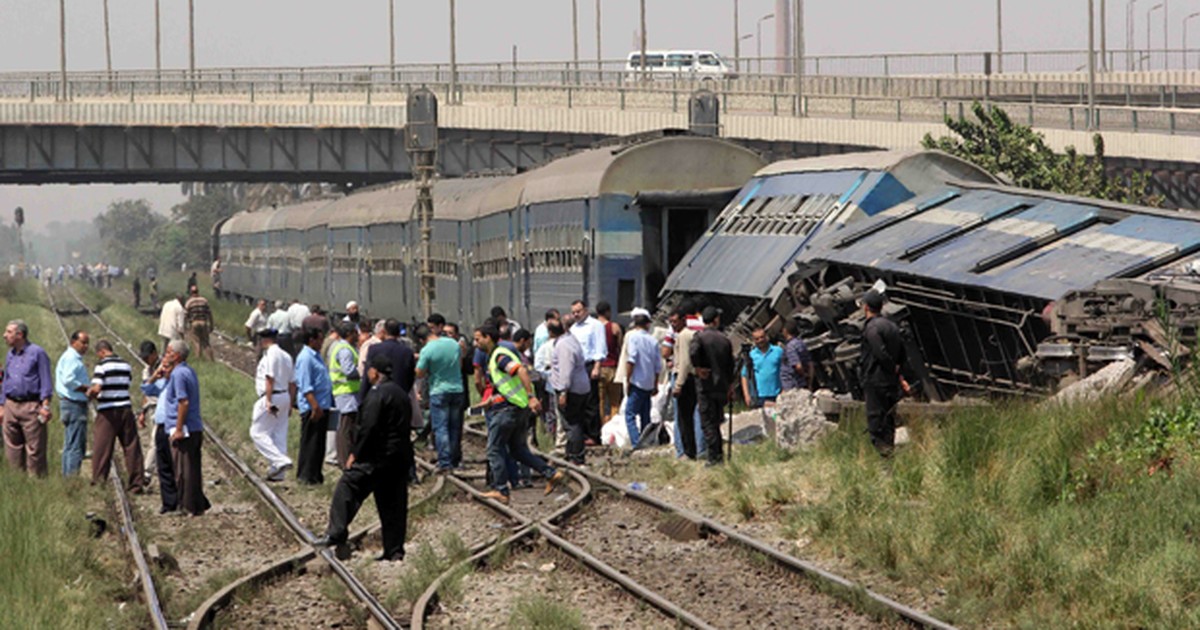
column 511, row 400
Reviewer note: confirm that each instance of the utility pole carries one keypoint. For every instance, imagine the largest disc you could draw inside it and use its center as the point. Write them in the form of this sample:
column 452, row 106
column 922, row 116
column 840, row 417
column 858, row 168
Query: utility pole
column 1130, row 34
column 999, row 36
column 192, row 38
column 1166, row 36
column 575, row 35
column 643, row 37
column 1092, row 65
column 158, row 39
column 453, row 54
column 1185, row 37
column 62, row 46
column 798, row 65
column 737, row 37
column 107, row 43
column 392, row 36
column 1104, row 35
column 599, row 49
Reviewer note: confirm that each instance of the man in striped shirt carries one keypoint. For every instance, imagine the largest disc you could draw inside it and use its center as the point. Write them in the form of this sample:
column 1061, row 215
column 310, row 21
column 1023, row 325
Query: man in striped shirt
column 111, row 379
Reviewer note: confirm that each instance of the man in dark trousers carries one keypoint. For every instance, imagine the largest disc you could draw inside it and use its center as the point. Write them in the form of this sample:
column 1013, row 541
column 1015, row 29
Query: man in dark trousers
column 378, row 464
column 712, row 362
column 404, row 363
column 880, row 362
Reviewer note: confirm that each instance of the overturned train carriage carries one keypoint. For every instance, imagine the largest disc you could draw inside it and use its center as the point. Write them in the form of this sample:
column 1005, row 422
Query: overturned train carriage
column 606, row 223
column 1004, row 290
column 742, row 261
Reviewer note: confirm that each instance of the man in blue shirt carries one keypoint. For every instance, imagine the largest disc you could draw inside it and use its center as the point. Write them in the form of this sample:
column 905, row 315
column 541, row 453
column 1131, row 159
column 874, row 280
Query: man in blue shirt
column 314, row 398
column 644, row 365
column 27, row 390
column 154, row 382
column 71, row 382
column 181, row 411
column 766, row 359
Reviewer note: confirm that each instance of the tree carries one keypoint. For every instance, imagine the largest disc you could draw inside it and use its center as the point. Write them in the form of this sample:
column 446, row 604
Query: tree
column 125, row 230
column 1020, row 155
column 196, row 218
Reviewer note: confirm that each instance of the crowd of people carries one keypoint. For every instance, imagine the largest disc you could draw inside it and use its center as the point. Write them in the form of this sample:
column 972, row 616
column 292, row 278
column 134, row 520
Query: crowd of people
column 98, row 275
column 361, row 387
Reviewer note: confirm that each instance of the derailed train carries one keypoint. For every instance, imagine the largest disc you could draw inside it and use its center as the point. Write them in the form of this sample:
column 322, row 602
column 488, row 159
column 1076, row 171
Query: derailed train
column 605, row 223
column 1000, row 289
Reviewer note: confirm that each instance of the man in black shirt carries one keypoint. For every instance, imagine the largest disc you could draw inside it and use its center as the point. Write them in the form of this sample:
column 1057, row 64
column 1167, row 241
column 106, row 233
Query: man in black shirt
column 378, row 464
column 712, row 361
column 404, row 363
column 880, row 370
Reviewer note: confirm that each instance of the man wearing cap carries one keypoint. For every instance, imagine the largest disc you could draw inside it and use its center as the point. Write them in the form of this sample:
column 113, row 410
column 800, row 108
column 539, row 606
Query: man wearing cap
column 275, row 384
column 880, row 362
column 712, row 361
column 378, row 464
column 643, row 367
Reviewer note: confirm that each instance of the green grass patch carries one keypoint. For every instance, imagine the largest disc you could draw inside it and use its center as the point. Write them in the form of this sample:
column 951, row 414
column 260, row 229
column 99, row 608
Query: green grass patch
column 538, row 612
column 1022, row 514
column 55, row 574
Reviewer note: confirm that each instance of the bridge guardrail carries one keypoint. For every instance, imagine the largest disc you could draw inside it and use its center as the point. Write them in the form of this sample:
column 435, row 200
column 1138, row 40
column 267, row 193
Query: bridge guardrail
column 297, row 83
column 651, row 96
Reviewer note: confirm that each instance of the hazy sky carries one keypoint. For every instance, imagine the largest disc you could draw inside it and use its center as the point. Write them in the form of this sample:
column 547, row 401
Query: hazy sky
column 320, row 32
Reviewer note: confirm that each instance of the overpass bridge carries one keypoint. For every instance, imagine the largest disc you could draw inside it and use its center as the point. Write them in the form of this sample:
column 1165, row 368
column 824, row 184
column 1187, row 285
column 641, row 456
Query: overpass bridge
column 343, row 124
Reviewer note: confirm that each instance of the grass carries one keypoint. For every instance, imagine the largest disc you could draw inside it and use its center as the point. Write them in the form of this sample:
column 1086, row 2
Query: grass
column 425, row 565
column 1023, row 515
column 55, row 574
column 538, row 612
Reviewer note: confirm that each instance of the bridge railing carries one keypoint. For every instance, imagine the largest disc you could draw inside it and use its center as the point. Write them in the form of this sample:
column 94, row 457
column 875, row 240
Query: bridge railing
column 954, row 63
column 1060, row 110
column 301, row 85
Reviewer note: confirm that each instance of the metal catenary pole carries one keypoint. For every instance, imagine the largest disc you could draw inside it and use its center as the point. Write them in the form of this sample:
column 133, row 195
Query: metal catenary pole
column 799, row 52
column 62, row 46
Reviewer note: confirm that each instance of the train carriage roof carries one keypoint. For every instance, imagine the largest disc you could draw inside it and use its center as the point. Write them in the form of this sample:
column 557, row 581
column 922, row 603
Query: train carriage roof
column 680, row 163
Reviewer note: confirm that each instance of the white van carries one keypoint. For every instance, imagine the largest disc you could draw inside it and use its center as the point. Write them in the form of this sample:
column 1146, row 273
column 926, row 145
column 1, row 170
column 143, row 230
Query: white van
column 699, row 64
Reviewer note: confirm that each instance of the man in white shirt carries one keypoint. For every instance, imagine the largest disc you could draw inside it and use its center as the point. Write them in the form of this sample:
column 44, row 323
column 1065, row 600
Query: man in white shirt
column 590, row 333
column 171, row 320
column 257, row 322
column 275, row 383
column 297, row 312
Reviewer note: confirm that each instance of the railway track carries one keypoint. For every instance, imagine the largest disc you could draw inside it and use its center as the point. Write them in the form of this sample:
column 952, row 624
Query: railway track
column 589, row 534
column 207, row 613
column 158, row 618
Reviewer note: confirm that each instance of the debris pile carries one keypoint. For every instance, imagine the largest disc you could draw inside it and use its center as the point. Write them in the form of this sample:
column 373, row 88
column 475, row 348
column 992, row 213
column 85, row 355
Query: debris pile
column 798, row 419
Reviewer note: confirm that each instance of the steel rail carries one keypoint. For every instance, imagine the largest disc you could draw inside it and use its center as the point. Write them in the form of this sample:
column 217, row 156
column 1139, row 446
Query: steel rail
column 377, row 610
column 796, row 565
column 149, row 592
column 547, row 527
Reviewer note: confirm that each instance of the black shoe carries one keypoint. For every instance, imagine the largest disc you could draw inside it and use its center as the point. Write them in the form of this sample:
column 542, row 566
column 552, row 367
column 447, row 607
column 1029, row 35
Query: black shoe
column 396, row 557
column 325, row 541
column 165, row 510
